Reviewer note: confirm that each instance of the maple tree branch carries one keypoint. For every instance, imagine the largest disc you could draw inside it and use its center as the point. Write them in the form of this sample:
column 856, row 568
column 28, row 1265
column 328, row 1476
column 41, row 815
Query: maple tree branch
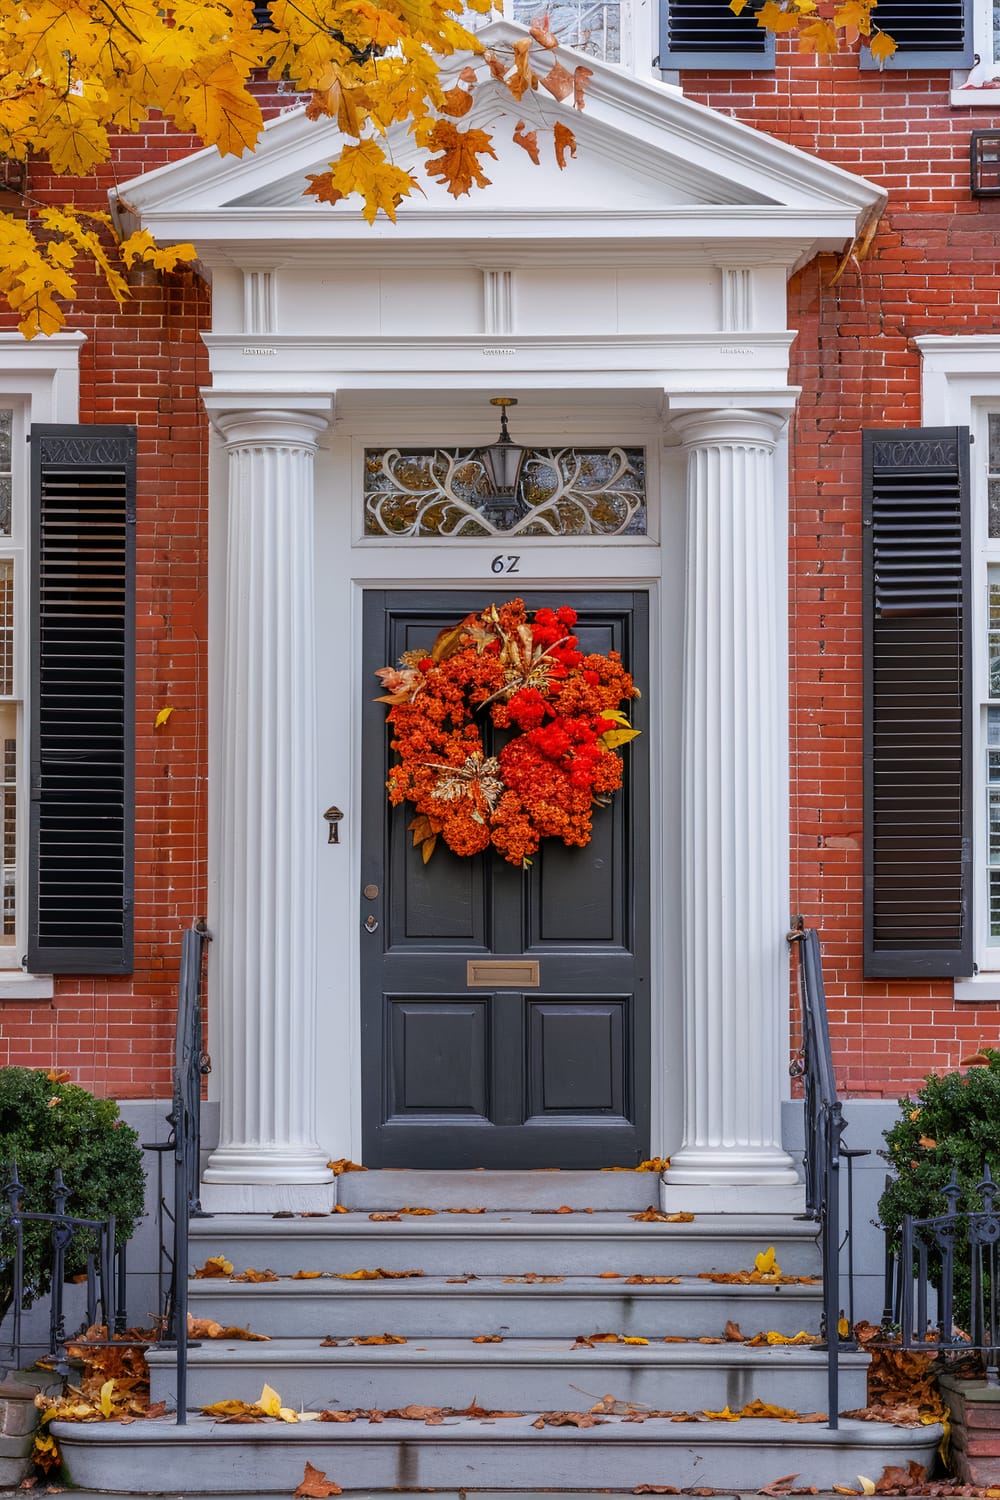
column 118, row 20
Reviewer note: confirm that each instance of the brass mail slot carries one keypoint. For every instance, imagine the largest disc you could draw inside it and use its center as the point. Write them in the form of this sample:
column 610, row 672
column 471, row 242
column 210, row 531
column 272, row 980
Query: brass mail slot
column 502, row 973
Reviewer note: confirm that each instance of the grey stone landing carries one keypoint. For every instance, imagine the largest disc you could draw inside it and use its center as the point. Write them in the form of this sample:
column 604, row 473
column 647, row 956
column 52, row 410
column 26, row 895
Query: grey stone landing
column 462, row 1455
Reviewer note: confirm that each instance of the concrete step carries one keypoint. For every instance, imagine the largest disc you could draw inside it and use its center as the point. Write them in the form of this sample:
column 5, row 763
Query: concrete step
column 434, row 1306
column 525, row 1375
column 463, row 1455
column 600, row 1191
column 506, row 1244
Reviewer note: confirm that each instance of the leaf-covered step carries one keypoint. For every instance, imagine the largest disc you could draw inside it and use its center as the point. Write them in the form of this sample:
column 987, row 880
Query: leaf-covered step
column 512, row 1306
column 506, row 1244
column 518, row 1374
column 470, row 1454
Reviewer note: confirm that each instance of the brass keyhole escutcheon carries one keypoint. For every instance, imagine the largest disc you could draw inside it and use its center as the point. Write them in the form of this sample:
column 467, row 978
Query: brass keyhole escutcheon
column 371, row 924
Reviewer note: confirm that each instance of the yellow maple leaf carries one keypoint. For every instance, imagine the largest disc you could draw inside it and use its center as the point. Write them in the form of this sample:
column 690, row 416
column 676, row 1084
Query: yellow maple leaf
column 819, row 36
column 881, row 47
column 364, row 169
column 854, row 13
column 773, row 17
column 766, row 1263
column 107, row 1391
column 269, row 1401
column 141, row 246
column 163, row 716
column 217, row 106
column 725, row 1415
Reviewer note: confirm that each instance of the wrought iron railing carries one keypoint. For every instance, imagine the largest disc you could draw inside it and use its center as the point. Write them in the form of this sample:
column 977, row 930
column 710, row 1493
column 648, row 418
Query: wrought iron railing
column 105, row 1271
column 191, row 1063
column 824, row 1152
column 942, row 1288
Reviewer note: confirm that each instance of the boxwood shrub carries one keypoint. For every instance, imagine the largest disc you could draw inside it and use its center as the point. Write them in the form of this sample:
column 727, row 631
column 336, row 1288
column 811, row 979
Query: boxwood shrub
column 47, row 1124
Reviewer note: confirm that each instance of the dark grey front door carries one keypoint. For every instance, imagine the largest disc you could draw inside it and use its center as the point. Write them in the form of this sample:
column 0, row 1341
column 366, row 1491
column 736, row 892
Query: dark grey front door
column 513, row 1073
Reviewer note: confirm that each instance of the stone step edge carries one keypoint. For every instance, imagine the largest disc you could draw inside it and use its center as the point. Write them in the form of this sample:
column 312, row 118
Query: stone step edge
column 754, row 1430
column 467, row 1454
column 513, row 1351
column 568, row 1285
column 762, row 1227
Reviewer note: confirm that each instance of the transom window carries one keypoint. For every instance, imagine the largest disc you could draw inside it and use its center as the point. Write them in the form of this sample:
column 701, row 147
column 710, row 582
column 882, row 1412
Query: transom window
column 564, row 492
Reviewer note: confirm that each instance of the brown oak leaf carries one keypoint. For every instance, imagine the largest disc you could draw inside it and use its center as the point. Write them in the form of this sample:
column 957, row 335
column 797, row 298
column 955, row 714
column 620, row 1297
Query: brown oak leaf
column 559, row 82
column 315, row 1484
column 458, row 165
column 456, row 102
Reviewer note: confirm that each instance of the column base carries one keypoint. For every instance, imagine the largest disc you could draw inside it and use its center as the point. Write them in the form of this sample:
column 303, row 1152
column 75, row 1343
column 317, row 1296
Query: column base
column 254, row 1165
column 732, row 1181
column 267, row 1198
column 737, row 1199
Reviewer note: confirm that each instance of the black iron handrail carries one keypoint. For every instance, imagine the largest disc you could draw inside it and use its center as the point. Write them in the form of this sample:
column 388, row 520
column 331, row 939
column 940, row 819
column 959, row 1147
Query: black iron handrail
column 824, row 1152
column 191, row 1063
column 105, row 1273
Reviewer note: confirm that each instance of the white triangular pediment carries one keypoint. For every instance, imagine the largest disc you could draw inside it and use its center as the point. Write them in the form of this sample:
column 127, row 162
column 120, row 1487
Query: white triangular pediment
column 651, row 166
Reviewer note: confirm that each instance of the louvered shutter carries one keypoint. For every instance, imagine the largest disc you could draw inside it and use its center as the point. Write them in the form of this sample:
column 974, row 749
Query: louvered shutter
column 705, row 34
column 918, row 703
column 81, row 822
column 927, row 33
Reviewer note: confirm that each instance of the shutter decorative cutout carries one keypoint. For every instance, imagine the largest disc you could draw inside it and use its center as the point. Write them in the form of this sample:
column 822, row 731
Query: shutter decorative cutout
column 81, row 826
column 927, row 33
column 697, row 34
column 918, row 703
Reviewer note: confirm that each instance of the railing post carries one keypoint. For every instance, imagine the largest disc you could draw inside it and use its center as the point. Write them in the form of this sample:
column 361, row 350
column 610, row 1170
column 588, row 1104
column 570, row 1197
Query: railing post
column 188, row 1071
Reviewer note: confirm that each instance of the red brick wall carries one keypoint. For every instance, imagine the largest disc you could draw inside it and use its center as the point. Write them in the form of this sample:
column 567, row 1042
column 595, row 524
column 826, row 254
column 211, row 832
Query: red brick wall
column 144, row 363
column 934, row 268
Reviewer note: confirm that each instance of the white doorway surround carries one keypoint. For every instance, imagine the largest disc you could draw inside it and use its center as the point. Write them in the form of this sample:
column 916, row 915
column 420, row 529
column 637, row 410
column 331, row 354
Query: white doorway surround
column 638, row 297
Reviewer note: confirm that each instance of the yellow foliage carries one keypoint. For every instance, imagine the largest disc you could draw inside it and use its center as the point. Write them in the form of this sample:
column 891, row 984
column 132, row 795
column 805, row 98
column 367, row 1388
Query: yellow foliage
column 74, row 73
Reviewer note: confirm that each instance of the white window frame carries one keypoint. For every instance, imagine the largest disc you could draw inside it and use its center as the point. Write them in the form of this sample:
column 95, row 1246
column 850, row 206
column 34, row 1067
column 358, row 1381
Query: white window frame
column 967, row 84
column 40, row 380
column 638, row 22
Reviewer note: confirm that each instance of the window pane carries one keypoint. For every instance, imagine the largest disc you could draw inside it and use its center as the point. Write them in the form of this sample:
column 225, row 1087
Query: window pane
column 6, row 438
column 8, row 824
column 6, row 627
column 441, row 492
column 593, row 28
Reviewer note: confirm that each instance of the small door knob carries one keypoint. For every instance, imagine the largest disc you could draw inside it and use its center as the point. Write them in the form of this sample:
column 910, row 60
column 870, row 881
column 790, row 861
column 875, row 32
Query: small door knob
column 371, row 892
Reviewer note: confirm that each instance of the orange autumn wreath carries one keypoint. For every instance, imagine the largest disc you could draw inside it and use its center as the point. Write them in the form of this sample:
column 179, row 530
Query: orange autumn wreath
column 526, row 675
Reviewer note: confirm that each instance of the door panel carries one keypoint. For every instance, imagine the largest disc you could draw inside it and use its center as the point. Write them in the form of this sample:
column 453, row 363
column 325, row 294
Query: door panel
column 523, row 1075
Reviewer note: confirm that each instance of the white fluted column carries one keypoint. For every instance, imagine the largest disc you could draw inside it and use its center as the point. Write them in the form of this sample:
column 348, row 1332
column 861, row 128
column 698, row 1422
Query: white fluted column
column 269, row 823
column 735, row 830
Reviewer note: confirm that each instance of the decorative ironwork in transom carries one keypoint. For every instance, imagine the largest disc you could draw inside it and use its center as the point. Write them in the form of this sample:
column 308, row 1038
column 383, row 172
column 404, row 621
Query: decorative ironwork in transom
column 561, row 492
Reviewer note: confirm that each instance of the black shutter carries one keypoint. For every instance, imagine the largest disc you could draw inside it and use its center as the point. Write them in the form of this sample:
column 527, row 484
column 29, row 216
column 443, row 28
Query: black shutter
column 918, row 703
column 927, row 33
column 81, row 823
column 706, row 34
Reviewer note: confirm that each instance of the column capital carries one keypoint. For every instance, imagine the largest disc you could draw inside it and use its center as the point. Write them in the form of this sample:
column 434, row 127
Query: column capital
column 734, row 417
column 269, row 418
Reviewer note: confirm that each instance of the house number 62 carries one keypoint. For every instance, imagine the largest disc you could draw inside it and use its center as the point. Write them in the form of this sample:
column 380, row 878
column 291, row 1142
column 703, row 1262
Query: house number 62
column 506, row 564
